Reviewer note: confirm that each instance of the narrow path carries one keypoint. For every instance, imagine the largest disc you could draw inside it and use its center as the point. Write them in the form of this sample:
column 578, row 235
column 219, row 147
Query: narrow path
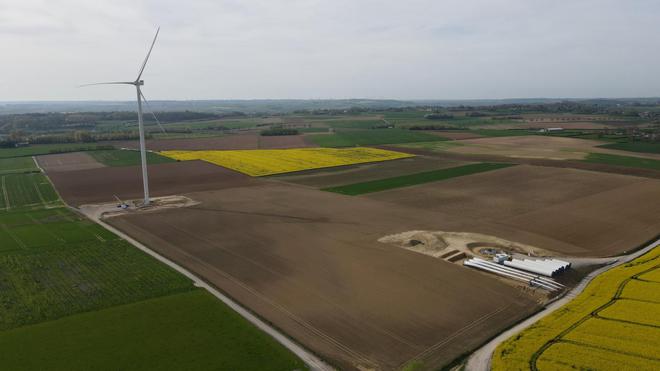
column 480, row 360
column 94, row 212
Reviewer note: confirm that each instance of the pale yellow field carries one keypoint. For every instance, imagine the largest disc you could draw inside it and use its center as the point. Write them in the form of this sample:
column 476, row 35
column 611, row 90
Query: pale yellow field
column 260, row 162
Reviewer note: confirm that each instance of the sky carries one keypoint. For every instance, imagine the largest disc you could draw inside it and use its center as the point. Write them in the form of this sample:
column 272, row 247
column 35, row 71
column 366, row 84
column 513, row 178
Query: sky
column 330, row 49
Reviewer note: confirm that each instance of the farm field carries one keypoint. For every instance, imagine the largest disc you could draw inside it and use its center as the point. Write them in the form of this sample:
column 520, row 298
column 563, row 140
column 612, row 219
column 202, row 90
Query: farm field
column 269, row 162
column 627, row 161
column 60, row 274
column 68, row 162
column 119, row 157
column 570, row 211
column 353, row 138
column 414, row 179
column 250, row 140
column 26, row 191
column 327, row 282
column 44, row 149
column 102, row 184
column 17, row 165
column 532, row 147
column 644, row 147
column 599, row 329
column 167, row 332
column 331, row 177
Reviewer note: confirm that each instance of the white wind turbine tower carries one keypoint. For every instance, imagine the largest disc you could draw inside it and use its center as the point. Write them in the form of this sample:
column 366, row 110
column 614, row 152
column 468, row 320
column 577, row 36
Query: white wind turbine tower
column 137, row 83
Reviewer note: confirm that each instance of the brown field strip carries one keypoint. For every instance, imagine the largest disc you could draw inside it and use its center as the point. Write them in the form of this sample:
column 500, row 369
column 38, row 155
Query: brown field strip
column 100, row 185
column 308, row 262
column 68, row 162
column 599, row 214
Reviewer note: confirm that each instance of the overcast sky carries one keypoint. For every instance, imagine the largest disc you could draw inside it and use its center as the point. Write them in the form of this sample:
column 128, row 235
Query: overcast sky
column 248, row 49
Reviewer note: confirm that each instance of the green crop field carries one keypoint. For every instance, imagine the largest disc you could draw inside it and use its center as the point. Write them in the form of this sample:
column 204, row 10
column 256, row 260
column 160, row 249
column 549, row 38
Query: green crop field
column 186, row 331
column 351, row 138
column 17, row 165
column 44, row 149
column 354, row 124
column 432, row 146
column 26, row 191
column 414, row 179
column 628, row 161
column 644, row 147
column 119, row 157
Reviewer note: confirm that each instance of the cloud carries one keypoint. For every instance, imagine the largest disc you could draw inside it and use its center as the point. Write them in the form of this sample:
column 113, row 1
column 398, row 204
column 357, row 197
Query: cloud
column 331, row 48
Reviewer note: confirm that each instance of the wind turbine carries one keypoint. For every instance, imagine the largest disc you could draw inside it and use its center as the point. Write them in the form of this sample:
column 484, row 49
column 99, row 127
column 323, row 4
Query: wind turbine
column 143, row 149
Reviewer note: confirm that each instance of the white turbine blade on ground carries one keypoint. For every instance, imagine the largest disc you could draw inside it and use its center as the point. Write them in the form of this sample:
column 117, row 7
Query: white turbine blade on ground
column 108, row 83
column 148, row 54
column 146, row 103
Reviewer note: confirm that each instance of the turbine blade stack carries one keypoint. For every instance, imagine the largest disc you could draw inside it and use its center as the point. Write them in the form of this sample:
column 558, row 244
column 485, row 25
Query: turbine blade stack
column 144, row 64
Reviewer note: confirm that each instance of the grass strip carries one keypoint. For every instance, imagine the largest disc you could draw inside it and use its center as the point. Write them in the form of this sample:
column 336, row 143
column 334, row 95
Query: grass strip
column 413, row 179
column 120, row 157
column 628, row 161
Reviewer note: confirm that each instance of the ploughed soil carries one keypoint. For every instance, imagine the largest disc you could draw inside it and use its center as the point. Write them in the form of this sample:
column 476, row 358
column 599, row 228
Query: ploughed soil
column 366, row 172
column 593, row 214
column 232, row 141
column 309, row 262
column 68, row 162
column 102, row 184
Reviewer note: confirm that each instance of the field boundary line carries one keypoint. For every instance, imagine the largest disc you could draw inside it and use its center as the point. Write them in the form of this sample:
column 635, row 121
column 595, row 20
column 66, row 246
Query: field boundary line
column 310, row 359
column 480, row 359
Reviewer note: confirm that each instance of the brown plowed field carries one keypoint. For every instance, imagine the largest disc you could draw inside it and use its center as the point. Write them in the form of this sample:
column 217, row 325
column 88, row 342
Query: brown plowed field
column 100, row 185
column 365, row 172
column 308, row 262
column 600, row 214
column 68, row 162
column 236, row 141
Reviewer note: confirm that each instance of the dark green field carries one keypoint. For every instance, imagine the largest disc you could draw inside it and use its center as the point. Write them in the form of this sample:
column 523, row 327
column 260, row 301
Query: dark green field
column 44, row 149
column 17, row 165
column 186, row 331
column 119, row 157
column 628, row 161
column 644, row 147
column 26, row 191
column 414, row 179
column 352, row 138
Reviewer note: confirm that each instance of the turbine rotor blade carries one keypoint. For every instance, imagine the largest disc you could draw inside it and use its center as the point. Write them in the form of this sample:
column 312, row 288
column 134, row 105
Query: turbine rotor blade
column 144, row 64
column 146, row 103
column 109, row 83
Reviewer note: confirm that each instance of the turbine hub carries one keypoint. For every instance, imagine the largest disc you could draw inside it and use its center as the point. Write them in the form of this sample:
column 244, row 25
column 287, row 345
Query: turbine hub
column 139, row 82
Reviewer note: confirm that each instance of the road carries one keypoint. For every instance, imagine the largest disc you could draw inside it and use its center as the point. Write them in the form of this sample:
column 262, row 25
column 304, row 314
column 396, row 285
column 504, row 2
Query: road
column 95, row 212
column 481, row 358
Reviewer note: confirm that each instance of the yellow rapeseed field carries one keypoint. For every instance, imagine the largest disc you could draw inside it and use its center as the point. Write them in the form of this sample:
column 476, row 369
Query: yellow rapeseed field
column 612, row 325
column 260, row 162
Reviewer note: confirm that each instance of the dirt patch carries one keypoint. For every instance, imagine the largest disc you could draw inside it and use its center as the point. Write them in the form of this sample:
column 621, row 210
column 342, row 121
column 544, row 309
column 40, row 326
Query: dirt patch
column 439, row 244
column 366, row 172
column 68, row 162
column 101, row 185
column 579, row 212
column 309, row 262
column 235, row 141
